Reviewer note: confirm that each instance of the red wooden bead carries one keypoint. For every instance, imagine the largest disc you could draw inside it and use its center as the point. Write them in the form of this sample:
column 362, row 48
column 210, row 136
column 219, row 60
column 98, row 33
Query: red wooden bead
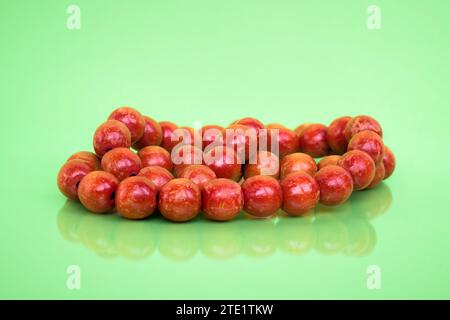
column 136, row 198
column 222, row 199
column 179, row 200
column 313, row 140
column 262, row 196
column 360, row 166
column 296, row 162
column 335, row 184
column 300, row 193
column 362, row 123
column 389, row 162
column 336, row 135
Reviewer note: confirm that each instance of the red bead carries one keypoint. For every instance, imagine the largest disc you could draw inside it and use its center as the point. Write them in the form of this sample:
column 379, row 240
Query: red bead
column 300, row 193
column 296, row 162
column 167, row 129
column 158, row 175
column 298, row 131
column 335, row 184
column 378, row 177
column 122, row 163
column 328, row 160
column 287, row 139
column 212, row 134
column 336, row 135
column 136, row 198
column 179, row 200
column 266, row 164
column 224, row 162
column 362, row 123
column 70, row 175
column 250, row 122
column 313, row 140
column 155, row 156
column 199, row 174
column 90, row 158
column 109, row 135
column 388, row 162
column 132, row 118
column 222, row 199
column 185, row 155
column 152, row 135
column 262, row 196
column 242, row 139
column 97, row 191
column 369, row 142
column 360, row 166
column 186, row 135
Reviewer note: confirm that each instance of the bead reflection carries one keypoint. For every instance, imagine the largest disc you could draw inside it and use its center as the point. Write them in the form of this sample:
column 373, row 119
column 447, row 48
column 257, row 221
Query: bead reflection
column 220, row 240
column 134, row 240
column 371, row 203
column 178, row 241
column 346, row 229
column 295, row 235
column 330, row 233
column 361, row 237
column 258, row 237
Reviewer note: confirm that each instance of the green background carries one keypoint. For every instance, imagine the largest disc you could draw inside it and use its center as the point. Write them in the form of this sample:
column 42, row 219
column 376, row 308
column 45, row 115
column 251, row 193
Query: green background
column 215, row 61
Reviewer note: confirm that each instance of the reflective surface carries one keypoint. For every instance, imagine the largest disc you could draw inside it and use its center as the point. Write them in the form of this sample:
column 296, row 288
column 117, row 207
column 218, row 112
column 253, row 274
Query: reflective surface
column 346, row 230
column 214, row 62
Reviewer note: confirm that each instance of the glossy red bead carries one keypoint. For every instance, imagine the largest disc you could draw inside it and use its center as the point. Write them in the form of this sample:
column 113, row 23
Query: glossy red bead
column 70, row 175
column 242, row 140
column 313, row 140
column 296, row 162
column 179, row 200
column 336, row 135
column 224, row 163
column 328, row 160
column 360, row 166
column 300, row 193
column 122, row 163
column 222, row 199
column 266, row 164
column 155, row 156
column 212, row 134
column 287, row 139
column 298, row 131
column 136, row 198
column 89, row 157
column 197, row 173
column 186, row 135
column 159, row 176
column 378, row 177
column 250, row 122
column 362, row 123
column 109, row 135
column 185, row 155
column 262, row 196
column 97, row 191
column 152, row 135
column 132, row 118
column 335, row 184
column 167, row 129
column 369, row 142
column 389, row 162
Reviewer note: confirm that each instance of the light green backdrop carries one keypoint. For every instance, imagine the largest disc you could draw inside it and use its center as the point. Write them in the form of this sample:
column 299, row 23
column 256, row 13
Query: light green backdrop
column 215, row 61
